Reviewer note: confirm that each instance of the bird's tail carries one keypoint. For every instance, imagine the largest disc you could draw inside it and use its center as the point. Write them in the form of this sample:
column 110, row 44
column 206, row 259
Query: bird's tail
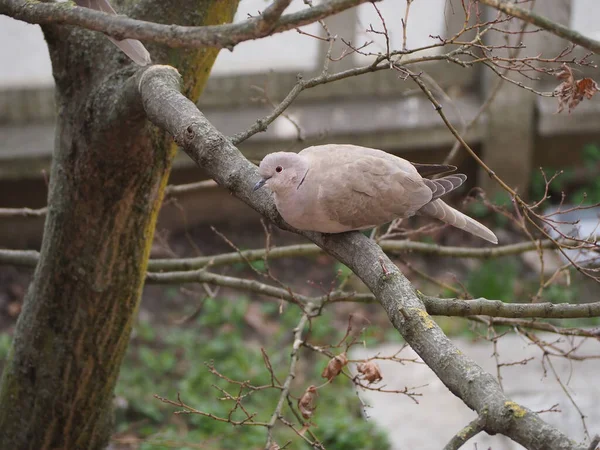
column 440, row 210
column 131, row 47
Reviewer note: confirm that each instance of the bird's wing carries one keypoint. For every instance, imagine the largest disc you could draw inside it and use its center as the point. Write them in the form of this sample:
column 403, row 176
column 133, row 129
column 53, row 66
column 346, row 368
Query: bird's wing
column 360, row 189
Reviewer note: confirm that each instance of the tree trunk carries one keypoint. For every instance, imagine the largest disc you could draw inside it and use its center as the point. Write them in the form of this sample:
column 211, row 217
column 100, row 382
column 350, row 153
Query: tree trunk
column 109, row 171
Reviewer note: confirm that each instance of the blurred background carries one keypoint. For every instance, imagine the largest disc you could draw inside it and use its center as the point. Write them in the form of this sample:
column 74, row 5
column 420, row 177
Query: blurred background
column 181, row 328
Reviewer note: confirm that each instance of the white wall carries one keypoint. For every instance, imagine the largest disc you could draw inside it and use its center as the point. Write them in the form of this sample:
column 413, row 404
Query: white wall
column 585, row 17
column 288, row 51
column 425, row 18
column 24, row 59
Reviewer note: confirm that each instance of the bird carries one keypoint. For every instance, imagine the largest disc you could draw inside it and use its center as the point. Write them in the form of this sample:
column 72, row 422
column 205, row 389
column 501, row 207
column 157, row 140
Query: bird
column 336, row 188
column 131, row 47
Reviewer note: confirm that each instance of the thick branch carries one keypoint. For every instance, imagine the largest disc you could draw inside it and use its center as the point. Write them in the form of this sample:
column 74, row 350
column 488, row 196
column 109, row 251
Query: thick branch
column 497, row 308
column 543, row 22
column 217, row 36
column 168, row 109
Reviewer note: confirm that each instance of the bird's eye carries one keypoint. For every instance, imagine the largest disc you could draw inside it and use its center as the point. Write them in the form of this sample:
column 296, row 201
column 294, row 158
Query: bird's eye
column 278, row 169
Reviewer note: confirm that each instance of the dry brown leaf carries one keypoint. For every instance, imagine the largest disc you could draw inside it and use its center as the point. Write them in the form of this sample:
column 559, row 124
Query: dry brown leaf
column 370, row 371
column 14, row 309
column 571, row 92
column 335, row 366
column 587, row 87
column 308, row 402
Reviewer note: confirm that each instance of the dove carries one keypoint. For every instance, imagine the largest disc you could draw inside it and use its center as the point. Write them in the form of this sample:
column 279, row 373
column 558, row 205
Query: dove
column 131, row 47
column 336, row 188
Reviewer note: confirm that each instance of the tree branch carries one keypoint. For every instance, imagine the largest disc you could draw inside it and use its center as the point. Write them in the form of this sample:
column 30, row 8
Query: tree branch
column 434, row 306
column 543, row 22
column 471, row 430
column 168, row 109
column 22, row 212
column 535, row 325
column 391, row 247
column 217, row 36
column 287, row 384
column 496, row 308
column 269, row 16
column 28, row 258
column 24, row 258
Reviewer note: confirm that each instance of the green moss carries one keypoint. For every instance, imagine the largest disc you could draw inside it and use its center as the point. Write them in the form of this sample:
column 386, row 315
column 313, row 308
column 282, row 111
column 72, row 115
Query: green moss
column 167, row 361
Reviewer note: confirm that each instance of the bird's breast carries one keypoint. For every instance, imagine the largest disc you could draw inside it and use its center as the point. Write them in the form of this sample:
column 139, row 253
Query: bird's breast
column 304, row 213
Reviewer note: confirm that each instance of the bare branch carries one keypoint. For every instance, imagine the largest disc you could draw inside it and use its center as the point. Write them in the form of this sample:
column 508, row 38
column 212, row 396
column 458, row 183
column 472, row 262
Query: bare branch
column 179, row 189
column 25, row 258
column 434, row 306
column 290, row 376
column 29, row 258
column 543, row 22
column 271, row 14
column 22, row 212
column 536, row 325
column 471, row 430
column 217, row 36
column 497, row 308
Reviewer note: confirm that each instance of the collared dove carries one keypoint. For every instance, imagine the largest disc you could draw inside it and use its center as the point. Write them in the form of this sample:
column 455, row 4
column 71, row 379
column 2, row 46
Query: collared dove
column 337, row 188
column 131, row 47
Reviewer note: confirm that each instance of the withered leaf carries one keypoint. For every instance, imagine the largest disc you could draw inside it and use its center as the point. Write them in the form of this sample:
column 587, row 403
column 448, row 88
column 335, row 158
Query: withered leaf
column 308, row 402
column 335, row 366
column 370, row 372
column 587, row 87
column 571, row 92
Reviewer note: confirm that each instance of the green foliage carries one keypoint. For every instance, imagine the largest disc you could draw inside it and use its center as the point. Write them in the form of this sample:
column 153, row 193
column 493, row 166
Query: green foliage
column 494, row 279
column 5, row 342
column 477, row 210
column 557, row 293
column 170, row 360
column 343, row 270
column 587, row 194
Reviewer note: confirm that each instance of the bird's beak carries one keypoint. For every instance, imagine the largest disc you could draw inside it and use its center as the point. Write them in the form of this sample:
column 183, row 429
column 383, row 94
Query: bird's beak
column 260, row 184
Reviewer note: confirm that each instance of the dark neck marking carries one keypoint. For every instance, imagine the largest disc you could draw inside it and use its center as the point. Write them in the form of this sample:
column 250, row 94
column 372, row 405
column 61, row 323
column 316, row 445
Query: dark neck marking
column 303, row 178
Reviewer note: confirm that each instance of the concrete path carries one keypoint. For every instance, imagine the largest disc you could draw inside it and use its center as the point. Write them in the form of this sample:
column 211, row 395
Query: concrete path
column 439, row 414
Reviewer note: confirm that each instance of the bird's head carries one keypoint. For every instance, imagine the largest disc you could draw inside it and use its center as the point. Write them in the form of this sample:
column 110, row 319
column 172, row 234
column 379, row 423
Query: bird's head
column 281, row 171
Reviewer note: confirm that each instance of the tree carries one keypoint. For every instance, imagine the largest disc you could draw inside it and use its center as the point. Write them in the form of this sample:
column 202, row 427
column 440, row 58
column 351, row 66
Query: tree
column 111, row 164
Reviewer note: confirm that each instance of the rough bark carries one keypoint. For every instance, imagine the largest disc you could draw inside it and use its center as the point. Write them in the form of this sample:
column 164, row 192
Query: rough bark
column 109, row 172
column 212, row 151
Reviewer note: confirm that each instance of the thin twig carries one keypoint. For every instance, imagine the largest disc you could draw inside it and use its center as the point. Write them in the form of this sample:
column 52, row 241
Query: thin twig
column 543, row 22
column 277, row 413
